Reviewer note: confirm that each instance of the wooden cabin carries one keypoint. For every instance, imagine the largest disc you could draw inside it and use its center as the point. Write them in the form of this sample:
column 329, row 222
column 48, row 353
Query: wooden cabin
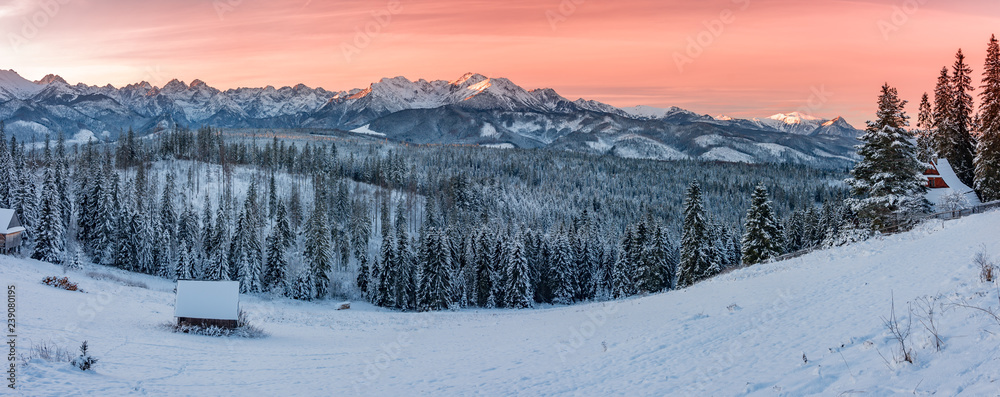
column 934, row 178
column 207, row 303
column 10, row 230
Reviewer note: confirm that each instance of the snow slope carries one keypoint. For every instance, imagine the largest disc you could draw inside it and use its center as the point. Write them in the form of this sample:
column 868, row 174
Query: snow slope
column 743, row 333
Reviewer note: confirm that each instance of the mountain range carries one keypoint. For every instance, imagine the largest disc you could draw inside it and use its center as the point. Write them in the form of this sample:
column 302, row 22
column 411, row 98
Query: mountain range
column 473, row 109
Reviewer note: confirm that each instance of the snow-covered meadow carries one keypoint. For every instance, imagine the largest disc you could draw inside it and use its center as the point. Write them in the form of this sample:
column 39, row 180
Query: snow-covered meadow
column 808, row 326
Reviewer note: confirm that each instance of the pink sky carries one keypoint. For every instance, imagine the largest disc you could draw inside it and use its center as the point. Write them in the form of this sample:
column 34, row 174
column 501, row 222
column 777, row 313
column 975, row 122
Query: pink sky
column 770, row 56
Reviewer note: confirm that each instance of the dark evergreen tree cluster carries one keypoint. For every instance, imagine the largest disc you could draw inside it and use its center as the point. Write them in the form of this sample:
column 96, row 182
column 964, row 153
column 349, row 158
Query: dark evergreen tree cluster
column 951, row 131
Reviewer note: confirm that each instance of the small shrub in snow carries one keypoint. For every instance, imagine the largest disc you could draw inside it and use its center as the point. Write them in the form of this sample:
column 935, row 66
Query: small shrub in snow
column 900, row 333
column 987, row 269
column 62, row 283
column 85, row 361
column 953, row 201
column 47, row 351
column 930, row 309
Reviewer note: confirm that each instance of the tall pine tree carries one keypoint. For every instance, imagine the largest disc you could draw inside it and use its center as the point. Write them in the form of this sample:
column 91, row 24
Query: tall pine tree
column 888, row 182
column 988, row 150
column 317, row 249
column 761, row 238
column 962, row 146
column 696, row 250
column 49, row 242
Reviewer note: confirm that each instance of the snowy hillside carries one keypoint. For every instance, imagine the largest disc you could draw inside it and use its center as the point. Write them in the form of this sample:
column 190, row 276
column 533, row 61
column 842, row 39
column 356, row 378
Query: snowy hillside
column 808, row 326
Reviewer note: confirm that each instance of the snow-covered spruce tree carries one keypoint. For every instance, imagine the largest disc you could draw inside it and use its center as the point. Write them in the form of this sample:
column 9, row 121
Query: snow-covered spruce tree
column 317, row 249
column 247, row 250
column 988, row 150
column 942, row 114
column 50, row 240
column 382, row 288
column 26, row 203
column 888, row 182
column 622, row 284
column 651, row 275
column 761, row 238
column 404, row 269
column 272, row 197
column 185, row 264
column 961, row 144
column 276, row 264
column 129, row 241
column 360, row 229
column 218, row 261
column 485, row 270
column 459, row 266
column 696, row 250
column 562, row 270
column 434, row 290
column 144, row 251
column 519, row 293
column 107, row 219
column 667, row 256
column 6, row 170
column 925, row 131
column 168, row 212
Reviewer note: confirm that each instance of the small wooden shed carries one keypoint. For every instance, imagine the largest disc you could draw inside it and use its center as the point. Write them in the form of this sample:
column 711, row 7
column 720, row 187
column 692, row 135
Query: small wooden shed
column 10, row 230
column 207, row 303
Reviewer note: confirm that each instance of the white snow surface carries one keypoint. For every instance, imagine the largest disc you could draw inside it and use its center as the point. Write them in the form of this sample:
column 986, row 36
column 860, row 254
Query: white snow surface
column 726, row 154
column 742, row 333
column 499, row 145
column 366, row 129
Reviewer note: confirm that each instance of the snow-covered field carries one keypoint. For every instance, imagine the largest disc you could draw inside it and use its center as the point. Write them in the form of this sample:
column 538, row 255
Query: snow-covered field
column 746, row 332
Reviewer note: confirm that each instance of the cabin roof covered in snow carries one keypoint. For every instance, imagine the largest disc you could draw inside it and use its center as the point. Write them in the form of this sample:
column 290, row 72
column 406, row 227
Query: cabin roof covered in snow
column 954, row 184
column 213, row 300
column 9, row 222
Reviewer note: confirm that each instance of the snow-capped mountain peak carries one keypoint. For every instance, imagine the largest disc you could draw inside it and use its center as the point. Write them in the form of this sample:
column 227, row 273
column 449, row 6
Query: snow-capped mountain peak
column 13, row 86
column 650, row 112
column 51, row 78
column 174, row 86
column 470, row 78
column 793, row 118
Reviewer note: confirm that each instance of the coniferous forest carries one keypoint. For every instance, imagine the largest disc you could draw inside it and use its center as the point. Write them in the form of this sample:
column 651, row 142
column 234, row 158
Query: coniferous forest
column 408, row 227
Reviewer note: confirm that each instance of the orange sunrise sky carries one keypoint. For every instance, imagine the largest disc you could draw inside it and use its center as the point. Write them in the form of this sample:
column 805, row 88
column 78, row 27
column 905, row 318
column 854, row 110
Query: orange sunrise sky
column 741, row 58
